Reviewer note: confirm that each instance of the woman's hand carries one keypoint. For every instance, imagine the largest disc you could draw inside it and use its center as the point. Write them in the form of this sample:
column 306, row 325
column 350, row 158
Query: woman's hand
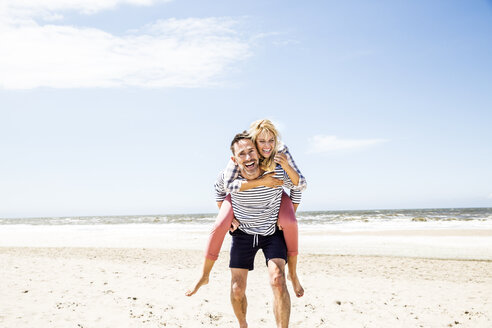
column 282, row 160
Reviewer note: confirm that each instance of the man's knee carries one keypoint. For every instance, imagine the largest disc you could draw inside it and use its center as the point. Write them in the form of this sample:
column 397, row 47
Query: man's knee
column 238, row 289
column 277, row 279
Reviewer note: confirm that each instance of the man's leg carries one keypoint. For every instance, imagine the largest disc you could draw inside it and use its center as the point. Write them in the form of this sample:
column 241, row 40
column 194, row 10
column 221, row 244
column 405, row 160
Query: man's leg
column 281, row 298
column 238, row 295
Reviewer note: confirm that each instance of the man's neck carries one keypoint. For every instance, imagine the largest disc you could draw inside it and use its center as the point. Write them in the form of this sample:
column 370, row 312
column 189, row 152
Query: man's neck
column 260, row 173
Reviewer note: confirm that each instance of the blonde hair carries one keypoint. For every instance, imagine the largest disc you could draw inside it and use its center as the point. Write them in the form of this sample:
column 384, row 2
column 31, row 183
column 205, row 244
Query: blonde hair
column 257, row 128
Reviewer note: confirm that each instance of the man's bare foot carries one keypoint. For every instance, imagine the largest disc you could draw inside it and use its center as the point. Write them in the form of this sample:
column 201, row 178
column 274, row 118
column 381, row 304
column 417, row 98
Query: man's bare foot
column 296, row 284
column 203, row 281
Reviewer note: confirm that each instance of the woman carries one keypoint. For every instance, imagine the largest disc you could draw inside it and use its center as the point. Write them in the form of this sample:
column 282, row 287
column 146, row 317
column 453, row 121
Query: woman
column 265, row 137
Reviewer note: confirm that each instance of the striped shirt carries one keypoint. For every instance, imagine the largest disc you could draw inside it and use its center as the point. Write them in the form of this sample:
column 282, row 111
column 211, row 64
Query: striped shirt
column 257, row 208
column 233, row 184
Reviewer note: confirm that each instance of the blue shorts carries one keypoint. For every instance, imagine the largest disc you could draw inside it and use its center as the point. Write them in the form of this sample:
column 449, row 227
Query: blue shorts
column 243, row 251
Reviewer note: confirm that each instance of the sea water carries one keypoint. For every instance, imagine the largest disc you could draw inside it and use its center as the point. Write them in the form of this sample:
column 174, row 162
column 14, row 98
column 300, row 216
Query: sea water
column 370, row 232
column 371, row 220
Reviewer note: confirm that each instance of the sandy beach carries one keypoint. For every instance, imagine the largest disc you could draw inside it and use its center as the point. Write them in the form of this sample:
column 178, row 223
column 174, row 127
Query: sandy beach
column 87, row 287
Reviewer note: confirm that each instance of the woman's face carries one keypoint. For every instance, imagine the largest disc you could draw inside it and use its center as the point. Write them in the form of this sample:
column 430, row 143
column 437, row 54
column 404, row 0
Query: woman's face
column 265, row 142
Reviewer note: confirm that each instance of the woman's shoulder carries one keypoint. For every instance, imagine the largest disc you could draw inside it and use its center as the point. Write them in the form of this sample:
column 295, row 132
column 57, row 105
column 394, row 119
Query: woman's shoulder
column 282, row 148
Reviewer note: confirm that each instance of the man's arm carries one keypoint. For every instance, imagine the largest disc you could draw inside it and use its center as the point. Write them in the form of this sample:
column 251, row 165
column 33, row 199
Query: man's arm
column 295, row 196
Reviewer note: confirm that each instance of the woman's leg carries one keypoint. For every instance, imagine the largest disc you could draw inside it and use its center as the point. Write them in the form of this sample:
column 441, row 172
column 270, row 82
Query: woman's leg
column 288, row 223
column 221, row 227
column 215, row 240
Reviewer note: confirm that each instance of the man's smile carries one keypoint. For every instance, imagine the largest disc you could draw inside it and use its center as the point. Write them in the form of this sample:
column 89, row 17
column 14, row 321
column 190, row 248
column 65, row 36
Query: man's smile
column 250, row 165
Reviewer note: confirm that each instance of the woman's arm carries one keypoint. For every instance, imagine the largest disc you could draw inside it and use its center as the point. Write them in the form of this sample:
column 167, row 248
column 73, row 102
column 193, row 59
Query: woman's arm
column 231, row 182
column 266, row 180
column 220, row 193
column 284, row 158
column 293, row 175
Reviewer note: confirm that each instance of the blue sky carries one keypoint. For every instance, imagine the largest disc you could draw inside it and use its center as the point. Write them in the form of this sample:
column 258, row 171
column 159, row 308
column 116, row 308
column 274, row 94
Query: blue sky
column 128, row 107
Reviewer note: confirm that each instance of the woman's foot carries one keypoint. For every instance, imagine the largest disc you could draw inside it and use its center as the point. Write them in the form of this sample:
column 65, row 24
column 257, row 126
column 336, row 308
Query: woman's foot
column 207, row 268
column 296, row 284
column 292, row 276
column 202, row 281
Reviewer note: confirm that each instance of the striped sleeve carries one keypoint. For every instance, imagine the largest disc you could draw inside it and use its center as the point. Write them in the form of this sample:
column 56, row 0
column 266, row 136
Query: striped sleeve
column 295, row 196
column 302, row 180
column 295, row 193
column 231, row 182
column 220, row 193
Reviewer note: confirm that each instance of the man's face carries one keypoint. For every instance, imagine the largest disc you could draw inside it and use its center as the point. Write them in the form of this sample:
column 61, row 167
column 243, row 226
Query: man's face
column 246, row 158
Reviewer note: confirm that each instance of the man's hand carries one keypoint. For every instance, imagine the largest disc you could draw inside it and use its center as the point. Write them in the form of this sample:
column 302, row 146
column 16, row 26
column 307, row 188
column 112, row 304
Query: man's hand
column 269, row 181
column 295, row 210
column 234, row 225
column 279, row 226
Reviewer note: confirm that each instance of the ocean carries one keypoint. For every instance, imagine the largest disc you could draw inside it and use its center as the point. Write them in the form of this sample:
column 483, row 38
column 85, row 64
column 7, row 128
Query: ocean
column 404, row 219
column 454, row 233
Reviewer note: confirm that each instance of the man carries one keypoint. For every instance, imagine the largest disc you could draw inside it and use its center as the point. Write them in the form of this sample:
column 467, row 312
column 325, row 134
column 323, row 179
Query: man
column 257, row 210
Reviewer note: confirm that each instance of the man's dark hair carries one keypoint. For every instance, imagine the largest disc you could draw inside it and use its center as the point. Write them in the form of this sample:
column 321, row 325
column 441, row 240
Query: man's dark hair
column 239, row 136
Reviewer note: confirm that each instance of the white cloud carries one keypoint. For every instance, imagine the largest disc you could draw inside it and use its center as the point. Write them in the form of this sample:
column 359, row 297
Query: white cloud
column 490, row 196
column 323, row 144
column 40, row 8
column 189, row 52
